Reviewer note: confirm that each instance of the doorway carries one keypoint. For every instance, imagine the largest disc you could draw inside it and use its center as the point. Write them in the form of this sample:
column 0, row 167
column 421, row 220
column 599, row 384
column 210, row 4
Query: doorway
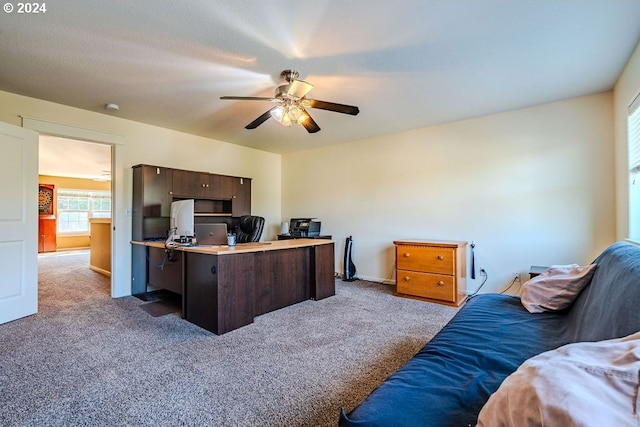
column 120, row 263
column 75, row 203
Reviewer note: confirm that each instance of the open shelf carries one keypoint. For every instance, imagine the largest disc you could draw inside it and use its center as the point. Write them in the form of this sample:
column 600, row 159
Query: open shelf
column 204, row 207
column 211, row 214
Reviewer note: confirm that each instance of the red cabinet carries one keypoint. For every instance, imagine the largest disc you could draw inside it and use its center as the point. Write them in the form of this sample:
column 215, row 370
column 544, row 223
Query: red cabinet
column 46, row 233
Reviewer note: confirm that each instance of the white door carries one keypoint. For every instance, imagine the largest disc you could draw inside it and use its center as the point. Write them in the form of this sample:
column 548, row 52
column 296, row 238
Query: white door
column 18, row 222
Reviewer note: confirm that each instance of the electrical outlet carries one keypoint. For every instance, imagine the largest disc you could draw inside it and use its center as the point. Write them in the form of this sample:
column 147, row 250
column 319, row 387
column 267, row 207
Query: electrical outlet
column 483, row 271
column 516, row 276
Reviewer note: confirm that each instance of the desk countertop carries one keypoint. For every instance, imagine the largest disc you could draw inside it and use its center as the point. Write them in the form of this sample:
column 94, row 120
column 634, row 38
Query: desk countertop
column 100, row 220
column 241, row 247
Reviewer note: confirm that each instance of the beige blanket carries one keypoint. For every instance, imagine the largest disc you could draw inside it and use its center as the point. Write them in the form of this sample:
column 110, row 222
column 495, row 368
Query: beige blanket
column 582, row 384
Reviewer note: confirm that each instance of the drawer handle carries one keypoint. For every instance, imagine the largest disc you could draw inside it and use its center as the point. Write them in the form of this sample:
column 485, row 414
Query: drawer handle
column 440, row 257
column 406, row 278
column 406, row 254
column 440, row 283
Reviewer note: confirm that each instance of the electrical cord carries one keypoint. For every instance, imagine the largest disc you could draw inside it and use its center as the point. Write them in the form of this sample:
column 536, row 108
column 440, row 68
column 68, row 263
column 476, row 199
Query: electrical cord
column 486, row 276
column 515, row 279
column 170, row 244
column 153, row 264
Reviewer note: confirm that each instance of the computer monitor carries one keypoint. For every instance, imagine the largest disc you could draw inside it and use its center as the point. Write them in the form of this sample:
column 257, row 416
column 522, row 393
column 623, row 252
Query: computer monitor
column 181, row 222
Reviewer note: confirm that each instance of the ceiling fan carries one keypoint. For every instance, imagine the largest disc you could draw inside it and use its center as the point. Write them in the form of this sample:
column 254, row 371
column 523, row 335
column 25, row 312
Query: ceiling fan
column 293, row 103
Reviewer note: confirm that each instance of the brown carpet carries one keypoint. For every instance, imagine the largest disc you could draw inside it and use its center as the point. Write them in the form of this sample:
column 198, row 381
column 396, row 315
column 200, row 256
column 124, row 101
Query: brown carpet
column 88, row 359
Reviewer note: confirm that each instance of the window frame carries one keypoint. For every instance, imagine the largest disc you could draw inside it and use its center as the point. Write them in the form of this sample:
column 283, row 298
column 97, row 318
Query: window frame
column 633, row 171
column 63, row 193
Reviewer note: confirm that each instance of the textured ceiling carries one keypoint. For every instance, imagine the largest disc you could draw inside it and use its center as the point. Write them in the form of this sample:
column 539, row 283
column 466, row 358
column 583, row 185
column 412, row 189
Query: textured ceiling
column 75, row 159
column 407, row 64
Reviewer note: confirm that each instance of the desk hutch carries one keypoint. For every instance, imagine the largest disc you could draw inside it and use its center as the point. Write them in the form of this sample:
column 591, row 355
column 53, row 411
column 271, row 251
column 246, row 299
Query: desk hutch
column 217, row 198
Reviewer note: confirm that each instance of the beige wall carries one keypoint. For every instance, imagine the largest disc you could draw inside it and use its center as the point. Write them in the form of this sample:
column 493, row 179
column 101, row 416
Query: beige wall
column 532, row 186
column 626, row 89
column 74, row 241
column 158, row 146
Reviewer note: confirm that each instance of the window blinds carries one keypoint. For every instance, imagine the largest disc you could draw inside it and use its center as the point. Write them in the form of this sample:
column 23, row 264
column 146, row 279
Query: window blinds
column 633, row 126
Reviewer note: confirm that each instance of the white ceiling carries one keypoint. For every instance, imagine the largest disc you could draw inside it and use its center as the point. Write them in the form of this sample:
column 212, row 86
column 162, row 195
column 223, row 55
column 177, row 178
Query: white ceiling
column 406, row 63
column 75, row 159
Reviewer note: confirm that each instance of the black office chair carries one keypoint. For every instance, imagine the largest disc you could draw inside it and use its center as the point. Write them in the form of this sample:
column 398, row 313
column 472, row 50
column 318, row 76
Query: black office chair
column 249, row 229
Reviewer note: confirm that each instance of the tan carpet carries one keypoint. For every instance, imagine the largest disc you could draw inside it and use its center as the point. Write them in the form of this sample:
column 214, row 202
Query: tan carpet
column 87, row 359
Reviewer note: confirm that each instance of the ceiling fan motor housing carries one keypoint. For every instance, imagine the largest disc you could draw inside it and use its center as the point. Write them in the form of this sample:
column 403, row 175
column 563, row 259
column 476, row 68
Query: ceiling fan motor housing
column 289, row 75
column 282, row 91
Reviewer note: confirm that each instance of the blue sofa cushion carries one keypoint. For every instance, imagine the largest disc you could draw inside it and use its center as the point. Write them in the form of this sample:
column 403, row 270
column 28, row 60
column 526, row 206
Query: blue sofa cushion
column 450, row 379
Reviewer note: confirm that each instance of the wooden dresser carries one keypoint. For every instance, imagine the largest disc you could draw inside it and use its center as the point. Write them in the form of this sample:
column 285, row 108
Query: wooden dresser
column 433, row 271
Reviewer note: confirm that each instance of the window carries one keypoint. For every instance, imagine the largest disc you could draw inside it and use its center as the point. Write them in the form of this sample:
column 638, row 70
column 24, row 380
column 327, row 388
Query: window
column 633, row 135
column 76, row 207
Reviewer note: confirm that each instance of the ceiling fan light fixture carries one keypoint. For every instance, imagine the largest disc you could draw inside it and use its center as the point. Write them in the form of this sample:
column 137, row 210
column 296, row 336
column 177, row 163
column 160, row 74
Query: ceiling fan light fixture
column 286, row 120
column 292, row 97
column 280, row 114
column 295, row 113
column 277, row 112
column 303, row 117
column 299, row 88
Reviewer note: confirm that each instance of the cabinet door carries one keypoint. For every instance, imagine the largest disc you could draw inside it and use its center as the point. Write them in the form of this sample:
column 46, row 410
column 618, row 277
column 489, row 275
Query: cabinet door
column 190, row 184
column 156, row 191
column 151, row 201
column 47, row 234
column 241, row 199
column 221, row 187
column 220, row 291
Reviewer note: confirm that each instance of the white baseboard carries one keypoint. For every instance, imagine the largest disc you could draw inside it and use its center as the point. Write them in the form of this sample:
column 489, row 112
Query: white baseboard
column 370, row 279
column 376, row 279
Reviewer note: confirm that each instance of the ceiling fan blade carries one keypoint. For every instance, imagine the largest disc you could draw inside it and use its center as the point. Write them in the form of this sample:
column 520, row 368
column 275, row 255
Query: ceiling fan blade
column 299, row 88
column 260, row 120
column 332, row 106
column 250, row 98
column 309, row 124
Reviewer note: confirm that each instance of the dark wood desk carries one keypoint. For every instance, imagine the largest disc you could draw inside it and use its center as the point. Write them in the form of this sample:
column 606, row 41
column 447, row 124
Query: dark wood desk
column 289, row 237
column 224, row 288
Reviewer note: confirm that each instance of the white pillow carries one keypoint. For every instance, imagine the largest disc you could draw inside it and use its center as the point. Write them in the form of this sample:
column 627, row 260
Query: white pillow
column 555, row 288
column 581, row 384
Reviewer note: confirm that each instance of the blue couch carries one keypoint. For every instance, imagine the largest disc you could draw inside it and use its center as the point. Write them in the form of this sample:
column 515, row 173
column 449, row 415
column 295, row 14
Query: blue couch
column 449, row 380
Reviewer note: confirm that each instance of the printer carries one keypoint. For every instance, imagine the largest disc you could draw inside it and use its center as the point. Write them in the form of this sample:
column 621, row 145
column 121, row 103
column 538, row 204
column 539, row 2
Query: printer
column 304, row 227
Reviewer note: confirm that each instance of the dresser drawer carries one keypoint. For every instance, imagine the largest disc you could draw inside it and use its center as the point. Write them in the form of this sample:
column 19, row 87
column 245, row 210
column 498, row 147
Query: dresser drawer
column 425, row 258
column 427, row 285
